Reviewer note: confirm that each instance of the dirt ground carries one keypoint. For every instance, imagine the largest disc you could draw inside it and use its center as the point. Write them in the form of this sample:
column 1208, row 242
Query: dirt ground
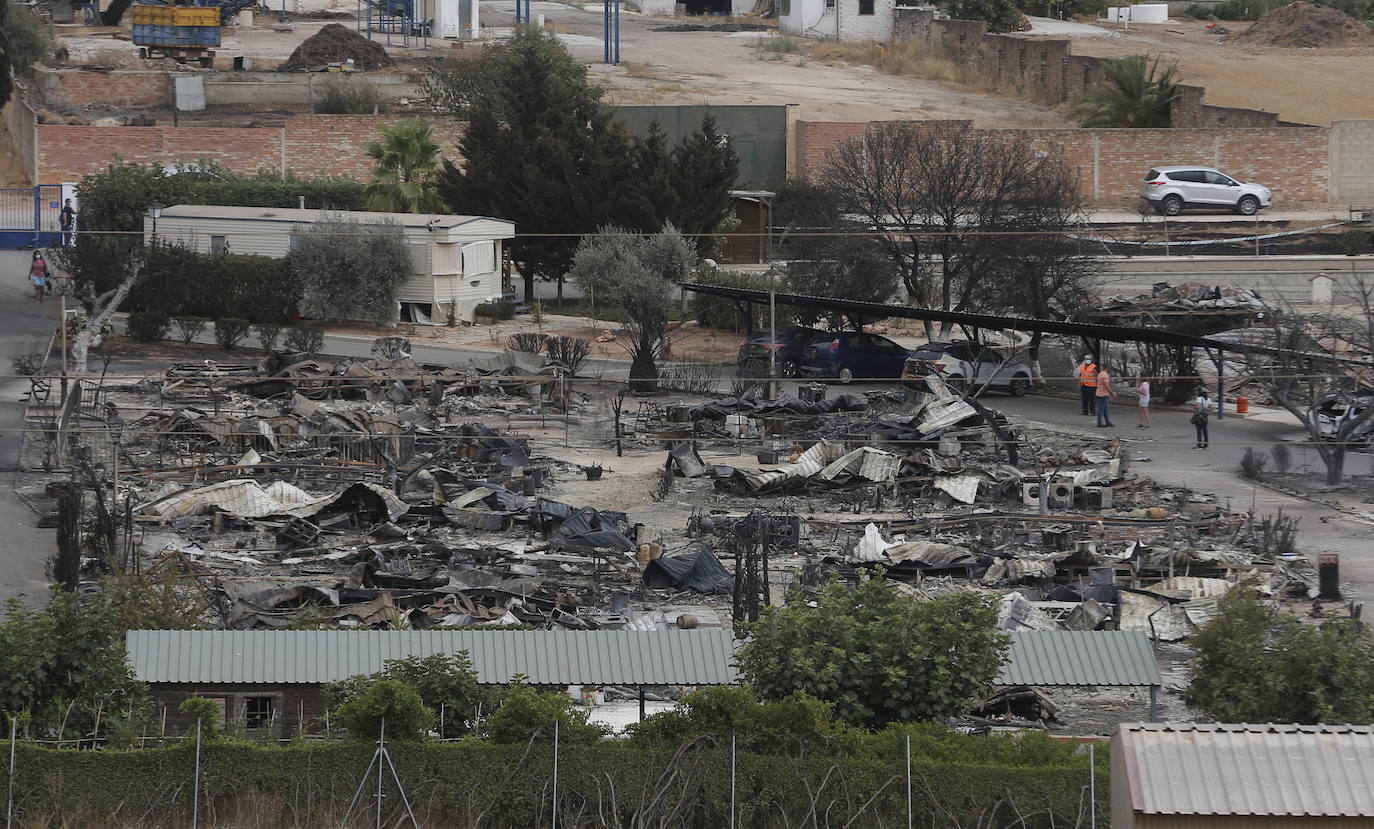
column 1309, row 86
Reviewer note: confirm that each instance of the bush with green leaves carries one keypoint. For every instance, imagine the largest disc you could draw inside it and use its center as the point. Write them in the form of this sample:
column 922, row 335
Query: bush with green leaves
column 28, row 39
column 499, row 310
column 148, row 326
column 446, row 683
column 1200, row 11
column 530, row 342
column 207, row 711
column 304, row 340
column 350, row 270
column 791, row 725
column 936, row 656
column 390, row 348
column 268, row 334
column 188, row 328
column 388, row 702
column 181, row 282
column 525, row 714
column 719, row 312
column 1257, row 662
column 230, row 331
column 349, row 96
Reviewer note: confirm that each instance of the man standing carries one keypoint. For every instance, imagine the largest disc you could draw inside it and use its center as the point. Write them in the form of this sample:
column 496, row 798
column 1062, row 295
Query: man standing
column 68, row 218
column 1087, row 383
column 1104, row 393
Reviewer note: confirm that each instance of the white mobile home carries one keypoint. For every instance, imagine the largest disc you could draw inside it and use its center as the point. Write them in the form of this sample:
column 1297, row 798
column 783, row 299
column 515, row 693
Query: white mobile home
column 456, row 259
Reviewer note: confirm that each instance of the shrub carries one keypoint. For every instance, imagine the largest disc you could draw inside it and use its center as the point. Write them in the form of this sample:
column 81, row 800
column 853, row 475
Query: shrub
column 30, row 39
column 182, row 282
column 719, row 312
column 1198, row 11
column 391, row 348
column 230, row 331
column 148, row 326
column 338, row 96
column 350, row 270
column 531, row 342
column 526, row 713
column 268, row 334
column 304, row 340
column 27, row 365
column 406, row 716
column 205, row 710
column 1252, row 464
column 570, row 352
column 188, row 328
column 501, row 310
column 1283, row 458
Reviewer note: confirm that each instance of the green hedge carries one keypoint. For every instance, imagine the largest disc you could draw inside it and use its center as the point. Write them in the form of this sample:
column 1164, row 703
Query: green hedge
column 181, row 283
column 310, row 784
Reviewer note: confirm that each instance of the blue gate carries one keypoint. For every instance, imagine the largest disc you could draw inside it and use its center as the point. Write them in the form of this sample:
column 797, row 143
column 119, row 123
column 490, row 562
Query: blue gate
column 30, row 217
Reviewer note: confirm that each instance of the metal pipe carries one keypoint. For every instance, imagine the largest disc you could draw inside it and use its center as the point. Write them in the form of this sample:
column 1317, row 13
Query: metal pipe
column 908, row 781
column 381, row 748
column 617, row 32
column 1154, row 703
column 555, row 774
column 1092, row 784
column 9, row 791
column 732, row 780
column 195, row 788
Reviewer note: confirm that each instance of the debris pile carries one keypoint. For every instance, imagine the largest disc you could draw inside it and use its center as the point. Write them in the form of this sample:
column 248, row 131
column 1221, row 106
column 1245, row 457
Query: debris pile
column 1303, row 25
column 336, row 44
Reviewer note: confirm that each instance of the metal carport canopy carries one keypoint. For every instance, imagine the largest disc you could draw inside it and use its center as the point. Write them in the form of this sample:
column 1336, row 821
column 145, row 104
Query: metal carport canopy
column 992, row 322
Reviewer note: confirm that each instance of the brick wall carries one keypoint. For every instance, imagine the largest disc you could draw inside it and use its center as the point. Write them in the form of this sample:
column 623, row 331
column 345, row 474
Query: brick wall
column 1111, row 163
column 80, row 87
column 311, row 146
column 330, row 145
column 68, row 153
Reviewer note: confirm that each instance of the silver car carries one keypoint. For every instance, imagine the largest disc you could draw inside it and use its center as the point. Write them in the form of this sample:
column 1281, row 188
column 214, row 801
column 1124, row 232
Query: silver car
column 1170, row 189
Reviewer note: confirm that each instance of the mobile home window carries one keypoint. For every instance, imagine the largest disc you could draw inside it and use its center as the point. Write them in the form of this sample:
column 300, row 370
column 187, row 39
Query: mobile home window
column 219, row 244
column 865, row 6
column 479, row 258
column 786, row 8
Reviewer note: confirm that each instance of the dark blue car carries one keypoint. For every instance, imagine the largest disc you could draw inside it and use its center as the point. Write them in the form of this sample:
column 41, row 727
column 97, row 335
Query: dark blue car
column 854, row 355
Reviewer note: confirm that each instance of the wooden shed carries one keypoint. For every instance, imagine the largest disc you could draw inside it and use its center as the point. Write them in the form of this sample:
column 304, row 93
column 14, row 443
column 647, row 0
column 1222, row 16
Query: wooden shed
column 456, row 260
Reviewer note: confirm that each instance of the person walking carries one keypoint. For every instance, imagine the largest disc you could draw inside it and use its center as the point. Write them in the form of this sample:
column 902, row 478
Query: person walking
column 68, row 218
column 1103, row 393
column 38, row 275
column 1201, row 415
column 1142, row 393
column 1087, row 383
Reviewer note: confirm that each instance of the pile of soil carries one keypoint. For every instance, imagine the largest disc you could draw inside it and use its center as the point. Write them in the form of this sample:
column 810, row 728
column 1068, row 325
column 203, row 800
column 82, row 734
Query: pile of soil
column 336, row 44
column 1305, row 25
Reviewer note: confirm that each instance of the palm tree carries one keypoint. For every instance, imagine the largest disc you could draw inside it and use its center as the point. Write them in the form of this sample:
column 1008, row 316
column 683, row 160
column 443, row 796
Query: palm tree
column 1136, row 94
column 403, row 180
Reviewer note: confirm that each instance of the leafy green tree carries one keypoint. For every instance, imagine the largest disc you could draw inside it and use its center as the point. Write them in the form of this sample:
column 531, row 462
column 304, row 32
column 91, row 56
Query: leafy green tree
column 1000, row 15
column 877, row 655
column 447, row 685
column 405, row 715
column 650, row 194
column 635, row 273
column 1257, row 663
column 407, row 161
column 527, row 714
column 350, row 270
column 207, row 711
column 1136, row 94
column 25, row 38
column 540, row 150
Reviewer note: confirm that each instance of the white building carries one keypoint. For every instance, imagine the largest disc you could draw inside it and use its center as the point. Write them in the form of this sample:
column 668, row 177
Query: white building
column 456, row 260
column 838, row 19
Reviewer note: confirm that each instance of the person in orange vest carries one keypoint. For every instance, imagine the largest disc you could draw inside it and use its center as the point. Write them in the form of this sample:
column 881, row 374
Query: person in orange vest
column 1087, row 384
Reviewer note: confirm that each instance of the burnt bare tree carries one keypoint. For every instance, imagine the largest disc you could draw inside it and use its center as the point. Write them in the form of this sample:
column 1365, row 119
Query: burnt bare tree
column 966, row 216
column 1320, row 371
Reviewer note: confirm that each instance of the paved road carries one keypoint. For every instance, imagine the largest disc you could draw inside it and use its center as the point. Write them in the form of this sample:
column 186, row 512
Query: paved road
column 25, row 327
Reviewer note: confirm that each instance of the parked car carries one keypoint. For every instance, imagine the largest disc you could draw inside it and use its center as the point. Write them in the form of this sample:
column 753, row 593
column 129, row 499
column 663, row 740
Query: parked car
column 961, row 362
column 791, row 341
column 851, row 354
column 1171, row 189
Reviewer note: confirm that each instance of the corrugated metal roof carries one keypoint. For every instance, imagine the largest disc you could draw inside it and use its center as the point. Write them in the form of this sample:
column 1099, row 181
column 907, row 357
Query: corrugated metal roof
column 546, row 657
column 1220, row 769
column 1066, row 657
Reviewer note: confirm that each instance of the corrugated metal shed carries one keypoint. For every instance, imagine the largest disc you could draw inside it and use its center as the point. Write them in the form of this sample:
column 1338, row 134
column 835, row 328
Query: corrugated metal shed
column 546, row 657
column 1276, row 770
column 1065, row 657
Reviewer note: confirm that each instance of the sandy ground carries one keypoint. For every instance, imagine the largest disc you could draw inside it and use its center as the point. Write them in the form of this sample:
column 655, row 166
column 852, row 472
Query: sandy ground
column 1310, row 86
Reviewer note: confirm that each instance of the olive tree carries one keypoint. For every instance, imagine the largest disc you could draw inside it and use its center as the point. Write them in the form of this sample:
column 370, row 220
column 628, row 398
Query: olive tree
column 350, row 270
column 635, row 273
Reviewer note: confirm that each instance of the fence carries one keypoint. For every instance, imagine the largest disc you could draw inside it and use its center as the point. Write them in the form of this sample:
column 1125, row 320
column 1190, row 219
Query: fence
column 30, row 217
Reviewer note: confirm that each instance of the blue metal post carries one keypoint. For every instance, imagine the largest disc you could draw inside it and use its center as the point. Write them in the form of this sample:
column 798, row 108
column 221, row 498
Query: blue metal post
column 606, row 30
column 37, row 215
column 617, row 32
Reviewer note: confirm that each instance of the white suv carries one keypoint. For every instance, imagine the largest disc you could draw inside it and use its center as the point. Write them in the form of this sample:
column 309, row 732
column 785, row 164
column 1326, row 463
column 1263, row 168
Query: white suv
column 1170, row 189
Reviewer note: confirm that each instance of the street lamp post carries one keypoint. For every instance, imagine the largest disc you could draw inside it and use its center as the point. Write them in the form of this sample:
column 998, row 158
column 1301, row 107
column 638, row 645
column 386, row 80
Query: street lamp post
column 154, row 213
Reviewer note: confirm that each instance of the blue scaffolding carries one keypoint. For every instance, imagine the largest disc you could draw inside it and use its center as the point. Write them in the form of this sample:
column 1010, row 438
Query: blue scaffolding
column 396, row 18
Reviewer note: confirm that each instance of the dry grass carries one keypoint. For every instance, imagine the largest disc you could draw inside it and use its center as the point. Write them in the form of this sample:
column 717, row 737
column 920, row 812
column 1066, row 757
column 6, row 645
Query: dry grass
column 641, row 70
column 909, row 60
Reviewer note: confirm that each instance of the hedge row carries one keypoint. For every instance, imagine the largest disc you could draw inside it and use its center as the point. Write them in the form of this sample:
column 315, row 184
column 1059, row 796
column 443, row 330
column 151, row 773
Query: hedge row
column 605, row 784
column 181, row 283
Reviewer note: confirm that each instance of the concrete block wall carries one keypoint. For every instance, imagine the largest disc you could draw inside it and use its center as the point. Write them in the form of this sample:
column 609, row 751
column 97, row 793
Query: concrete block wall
column 1111, row 163
column 119, row 88
column 1352, row 163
